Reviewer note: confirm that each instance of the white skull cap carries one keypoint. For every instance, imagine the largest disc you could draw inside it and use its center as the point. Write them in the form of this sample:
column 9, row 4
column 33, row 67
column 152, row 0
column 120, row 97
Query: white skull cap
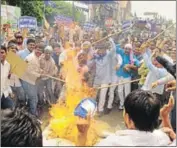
column 48, row 48
column 128, row 46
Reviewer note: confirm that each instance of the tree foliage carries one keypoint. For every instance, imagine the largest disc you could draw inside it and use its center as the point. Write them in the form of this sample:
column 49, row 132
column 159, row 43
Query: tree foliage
column 35, row 8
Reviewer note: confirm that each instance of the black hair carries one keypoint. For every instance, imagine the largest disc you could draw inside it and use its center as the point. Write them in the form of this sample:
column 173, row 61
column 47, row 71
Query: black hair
column 20, row 129
column 52, row 39
column 30, row 40
column 143, row 109
column 12, row 42
column 3, row 48
column 56, row 45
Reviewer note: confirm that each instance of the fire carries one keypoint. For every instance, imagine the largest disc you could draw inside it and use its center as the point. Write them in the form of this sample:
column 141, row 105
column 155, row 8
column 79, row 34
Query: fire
column 63, row 121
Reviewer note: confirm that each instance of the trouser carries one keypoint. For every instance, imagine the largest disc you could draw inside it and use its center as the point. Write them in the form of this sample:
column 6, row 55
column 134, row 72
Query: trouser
column 111, row 96
column 173, row 114
column 31, row 94
column 123, row 88
column 45, row 85
column 102, row 97
column 58, row 88
column 63, row 93
column 19, row 96
column 7, row 103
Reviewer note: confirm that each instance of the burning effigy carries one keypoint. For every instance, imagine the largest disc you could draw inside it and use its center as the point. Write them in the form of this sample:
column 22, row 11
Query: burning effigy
column 63, row 123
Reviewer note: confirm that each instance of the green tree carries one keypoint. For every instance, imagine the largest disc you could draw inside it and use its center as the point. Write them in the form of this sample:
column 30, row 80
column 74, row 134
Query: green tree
column 35, row 8
column 29, row 8
column 64, row 8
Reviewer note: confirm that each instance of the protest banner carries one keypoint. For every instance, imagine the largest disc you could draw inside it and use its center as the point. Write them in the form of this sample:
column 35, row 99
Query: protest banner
column 109, row 22
column 63, row 20
column 126, row 24
column 20, row 68
column 27, row 22
column 89, row 26
column 10, row 14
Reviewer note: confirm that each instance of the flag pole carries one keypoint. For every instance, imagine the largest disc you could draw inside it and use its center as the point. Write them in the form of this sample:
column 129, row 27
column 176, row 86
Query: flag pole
column 73, row 10
column 43, row 16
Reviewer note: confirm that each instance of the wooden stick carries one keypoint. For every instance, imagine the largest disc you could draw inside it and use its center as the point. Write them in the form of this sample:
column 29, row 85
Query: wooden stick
column 162, row 32
column 119, row 83
column 111, row 35
column 55, row 78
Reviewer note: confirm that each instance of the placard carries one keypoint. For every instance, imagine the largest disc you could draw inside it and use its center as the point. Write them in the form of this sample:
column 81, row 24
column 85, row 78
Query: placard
column 27, row 22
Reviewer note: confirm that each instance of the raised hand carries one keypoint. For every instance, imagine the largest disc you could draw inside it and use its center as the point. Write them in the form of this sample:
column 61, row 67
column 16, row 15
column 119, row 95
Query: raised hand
column 171, row 86
column 154, row 84
column 165, row 112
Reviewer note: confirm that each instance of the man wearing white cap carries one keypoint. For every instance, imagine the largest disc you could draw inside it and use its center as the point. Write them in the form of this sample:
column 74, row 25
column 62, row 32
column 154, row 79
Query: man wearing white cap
column 48, row 66
column 124, row 73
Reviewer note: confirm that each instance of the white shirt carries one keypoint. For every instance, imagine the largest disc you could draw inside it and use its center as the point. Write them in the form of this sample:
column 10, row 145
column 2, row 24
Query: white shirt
column 5, row 85
column 136, row 138
column 154, row 75
column 33, row 70
column 62, row 57
column 33, row 64
column 14, row 81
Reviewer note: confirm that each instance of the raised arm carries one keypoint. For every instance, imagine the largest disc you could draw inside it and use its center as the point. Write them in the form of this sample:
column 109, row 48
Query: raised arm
column 166, row 79
column 113, row 47
column 148, row 62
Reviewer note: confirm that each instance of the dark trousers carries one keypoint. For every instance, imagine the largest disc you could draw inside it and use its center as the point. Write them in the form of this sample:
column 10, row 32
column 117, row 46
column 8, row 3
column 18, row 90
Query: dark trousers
column 45, row 86
column 19, row 98
column 173, row 114
column 6, row 103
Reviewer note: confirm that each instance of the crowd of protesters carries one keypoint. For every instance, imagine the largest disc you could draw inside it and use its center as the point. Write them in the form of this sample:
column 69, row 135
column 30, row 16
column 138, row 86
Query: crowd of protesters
column 114, row 60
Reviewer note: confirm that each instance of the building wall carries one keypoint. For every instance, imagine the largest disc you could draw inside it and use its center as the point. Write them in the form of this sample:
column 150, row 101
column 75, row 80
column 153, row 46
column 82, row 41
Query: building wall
column 122, row 11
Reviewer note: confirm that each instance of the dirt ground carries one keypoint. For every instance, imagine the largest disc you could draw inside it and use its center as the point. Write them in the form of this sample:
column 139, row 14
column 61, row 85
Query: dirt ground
column 114, row 119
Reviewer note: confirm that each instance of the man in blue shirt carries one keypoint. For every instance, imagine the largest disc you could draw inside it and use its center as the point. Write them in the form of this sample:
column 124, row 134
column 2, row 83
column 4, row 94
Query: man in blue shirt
column 30, row 47
column 23, row 54
column 124, row 73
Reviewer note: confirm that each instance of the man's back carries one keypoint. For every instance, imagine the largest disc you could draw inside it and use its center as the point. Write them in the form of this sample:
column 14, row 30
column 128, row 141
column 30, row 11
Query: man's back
column 136, row 138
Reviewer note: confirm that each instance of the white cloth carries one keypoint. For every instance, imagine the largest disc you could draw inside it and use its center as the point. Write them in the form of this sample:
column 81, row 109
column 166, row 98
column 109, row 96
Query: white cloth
column 5, row 84
column 154, row 74
column 173, row 143
column 62, row 57
column 136, row 138
column 123, row 88
column 166, row 79
column 111, row 96
column 115, row 60
column 33, row 64
column 103, row 72
column 151, row 77
column 102, row 97
column 14, row 81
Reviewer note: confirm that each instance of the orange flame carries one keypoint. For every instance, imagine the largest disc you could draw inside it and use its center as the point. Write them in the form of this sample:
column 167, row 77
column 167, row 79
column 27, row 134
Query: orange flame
column 63, row 121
